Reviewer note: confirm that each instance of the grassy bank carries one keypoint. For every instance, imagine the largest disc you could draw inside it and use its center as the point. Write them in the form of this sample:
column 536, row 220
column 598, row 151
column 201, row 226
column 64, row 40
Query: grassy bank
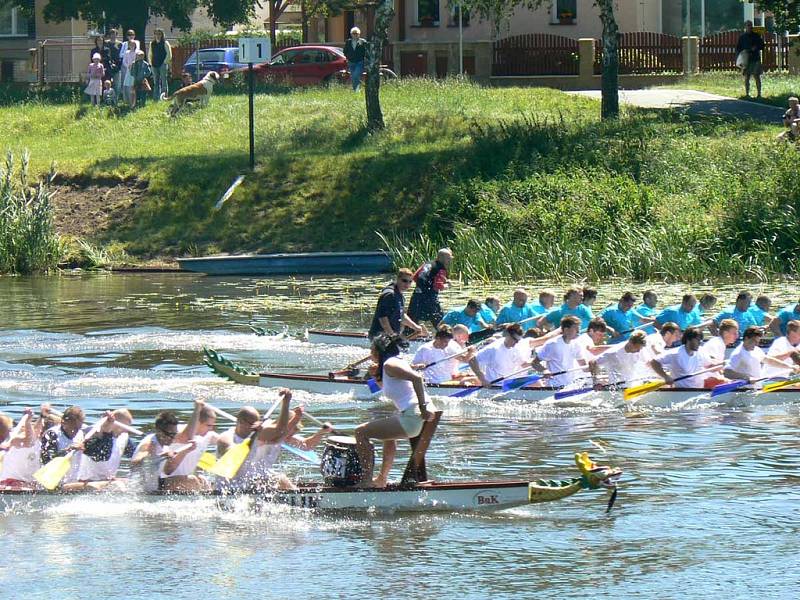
column 522, row 181
column 777, row 87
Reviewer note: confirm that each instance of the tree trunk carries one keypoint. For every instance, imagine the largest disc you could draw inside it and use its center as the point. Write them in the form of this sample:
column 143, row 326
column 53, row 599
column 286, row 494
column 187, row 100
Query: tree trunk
column 609, row 108
column 384, row 13
column 304, row 21
column 273, row 23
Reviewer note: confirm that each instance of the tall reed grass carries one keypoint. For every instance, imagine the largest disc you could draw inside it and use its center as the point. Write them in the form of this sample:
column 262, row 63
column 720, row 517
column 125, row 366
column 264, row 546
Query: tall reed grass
column 28, row 240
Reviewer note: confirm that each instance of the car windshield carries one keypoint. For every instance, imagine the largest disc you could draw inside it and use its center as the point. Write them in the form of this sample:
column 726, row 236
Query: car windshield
column 212, row 56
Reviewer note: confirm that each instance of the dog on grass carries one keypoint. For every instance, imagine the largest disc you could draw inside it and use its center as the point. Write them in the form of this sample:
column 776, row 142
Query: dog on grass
column 199, row 92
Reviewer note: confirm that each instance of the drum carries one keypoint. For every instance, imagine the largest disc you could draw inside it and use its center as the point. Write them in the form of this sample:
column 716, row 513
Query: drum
column 340, row 465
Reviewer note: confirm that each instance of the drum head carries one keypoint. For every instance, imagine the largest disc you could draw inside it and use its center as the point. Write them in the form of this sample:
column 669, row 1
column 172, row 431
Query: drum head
column 344, row 440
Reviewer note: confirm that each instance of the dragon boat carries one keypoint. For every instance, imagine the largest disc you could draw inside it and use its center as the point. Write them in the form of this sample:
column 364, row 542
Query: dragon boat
column 414, row 493
column 351, row 338
column 359, row 388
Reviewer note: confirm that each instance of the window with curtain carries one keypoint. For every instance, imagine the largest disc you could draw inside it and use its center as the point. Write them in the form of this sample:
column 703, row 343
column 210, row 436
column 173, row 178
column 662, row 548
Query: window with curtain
column 565, row 10
column 428, row 11
column 12, row 22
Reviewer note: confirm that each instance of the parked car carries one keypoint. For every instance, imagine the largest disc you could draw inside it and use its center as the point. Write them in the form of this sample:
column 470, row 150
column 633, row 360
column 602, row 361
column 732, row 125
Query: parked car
column 221, row 60
column 306, row 65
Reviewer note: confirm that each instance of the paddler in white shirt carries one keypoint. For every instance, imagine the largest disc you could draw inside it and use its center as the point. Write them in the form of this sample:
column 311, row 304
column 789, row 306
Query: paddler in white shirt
column 745, row 362
column 60, row 439
column 501, row 358
column 179, row 470
column 435, row 353
column 714, row 349
column 563, row 353
column 622, row 361
column 152, row 451
column 103, row 453
column 592, row 339
column 686, row 360
column 787, row 350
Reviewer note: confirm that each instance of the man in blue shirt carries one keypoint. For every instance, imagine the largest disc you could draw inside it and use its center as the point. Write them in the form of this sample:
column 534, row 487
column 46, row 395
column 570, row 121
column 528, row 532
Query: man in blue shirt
column 620, row 318
column 545, row 303
column 760, row 311
column 646, row 312
column 517, row 311
column 572, row 307
column 740, row 313
column 467, row 316
column 489, row 310
column 790, row 313
column 390, row 317
column 683, row 314
column 705, row 305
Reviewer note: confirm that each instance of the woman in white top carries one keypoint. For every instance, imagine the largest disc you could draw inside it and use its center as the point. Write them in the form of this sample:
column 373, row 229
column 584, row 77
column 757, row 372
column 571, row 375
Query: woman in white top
column 406, row 389
column 102, row 455
column 20, row 449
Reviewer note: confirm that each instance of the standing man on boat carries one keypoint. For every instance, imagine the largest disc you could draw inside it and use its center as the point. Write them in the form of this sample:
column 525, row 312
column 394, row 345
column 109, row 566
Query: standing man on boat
column 431, row 278
column 390, row 316
column 751, row 44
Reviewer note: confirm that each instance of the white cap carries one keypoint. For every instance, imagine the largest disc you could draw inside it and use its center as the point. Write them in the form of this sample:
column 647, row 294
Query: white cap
column 355, row 30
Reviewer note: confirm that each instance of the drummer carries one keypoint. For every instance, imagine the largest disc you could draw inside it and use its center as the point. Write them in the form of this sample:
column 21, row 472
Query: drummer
column 405, row 387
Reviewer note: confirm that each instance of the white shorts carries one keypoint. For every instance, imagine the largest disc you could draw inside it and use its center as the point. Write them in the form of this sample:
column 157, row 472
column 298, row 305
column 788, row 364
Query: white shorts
column 411, row 419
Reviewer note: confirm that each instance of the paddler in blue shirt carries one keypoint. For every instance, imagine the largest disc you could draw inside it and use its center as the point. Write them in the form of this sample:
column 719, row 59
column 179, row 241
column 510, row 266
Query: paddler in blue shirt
column 489, row 310
column 646, row 312
column 620, row 318
column 705, row 304
column 791, row 312
column 545, row 304
column 740, row 312
column 572, row 307
column 517, row 310
column 683, row 314
column 467, row 316
column 760, row 311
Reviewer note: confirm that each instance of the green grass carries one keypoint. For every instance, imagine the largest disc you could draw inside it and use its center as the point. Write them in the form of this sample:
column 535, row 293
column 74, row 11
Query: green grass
column 524, row 181
column 776, row 87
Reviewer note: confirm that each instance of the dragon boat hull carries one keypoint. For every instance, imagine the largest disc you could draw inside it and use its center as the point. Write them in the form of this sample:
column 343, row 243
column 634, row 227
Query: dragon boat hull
column 349, row 338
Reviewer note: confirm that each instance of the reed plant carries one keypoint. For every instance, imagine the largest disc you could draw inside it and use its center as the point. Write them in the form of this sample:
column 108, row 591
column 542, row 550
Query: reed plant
column 28, row 240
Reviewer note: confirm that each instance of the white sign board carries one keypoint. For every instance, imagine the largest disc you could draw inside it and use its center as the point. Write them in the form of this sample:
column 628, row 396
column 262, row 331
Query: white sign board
column 254, row 50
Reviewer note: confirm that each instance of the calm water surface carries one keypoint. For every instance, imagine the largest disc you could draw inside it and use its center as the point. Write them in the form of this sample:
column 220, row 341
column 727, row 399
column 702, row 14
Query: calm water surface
column 708, row 505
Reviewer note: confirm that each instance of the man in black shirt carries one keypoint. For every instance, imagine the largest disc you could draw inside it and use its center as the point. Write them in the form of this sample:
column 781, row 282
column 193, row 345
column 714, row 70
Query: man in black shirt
column 751, row 43
column 390, row 316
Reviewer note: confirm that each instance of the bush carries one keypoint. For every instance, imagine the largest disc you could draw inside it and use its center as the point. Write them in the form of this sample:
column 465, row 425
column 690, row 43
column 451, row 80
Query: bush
column 28, row 241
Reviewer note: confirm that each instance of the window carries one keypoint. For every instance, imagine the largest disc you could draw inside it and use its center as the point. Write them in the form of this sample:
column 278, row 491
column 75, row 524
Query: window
column 454, row 10
column 12, row 22
column 428, row 12
column 565, row 11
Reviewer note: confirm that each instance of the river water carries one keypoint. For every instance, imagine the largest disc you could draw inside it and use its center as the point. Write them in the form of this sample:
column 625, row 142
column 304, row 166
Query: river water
column 708, row 504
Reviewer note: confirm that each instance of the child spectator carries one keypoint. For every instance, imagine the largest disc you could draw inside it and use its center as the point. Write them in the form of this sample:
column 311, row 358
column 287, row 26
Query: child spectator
column 791, row 120
column 94, row 79
column 140, row 71
column 109, row 94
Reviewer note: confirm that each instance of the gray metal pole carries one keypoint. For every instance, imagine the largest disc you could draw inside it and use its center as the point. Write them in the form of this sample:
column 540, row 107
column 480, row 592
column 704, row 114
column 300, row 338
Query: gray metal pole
column 460, row 39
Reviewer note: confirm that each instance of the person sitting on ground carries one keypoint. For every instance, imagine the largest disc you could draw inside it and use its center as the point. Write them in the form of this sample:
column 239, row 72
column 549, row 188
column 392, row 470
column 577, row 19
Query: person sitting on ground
column 752, row 44
column 390, row 317
column 714, row 349
column 469, row 316
column 103, row 453
column 153, row 450
column 431, row 278
column 687, row 360
column 761, row 311
column 189, row 444
column 403, row 386
column 791, row 120
column 437, row 351
column 622, row 362
column 489, row 310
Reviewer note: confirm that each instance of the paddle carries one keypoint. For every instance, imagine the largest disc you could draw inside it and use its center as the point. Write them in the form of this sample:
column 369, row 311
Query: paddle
column 51, row 474
column 351, row 366
column 320, row 423
column 773, row 387
column 472, row 389
column 230, row 462
column 651, row 386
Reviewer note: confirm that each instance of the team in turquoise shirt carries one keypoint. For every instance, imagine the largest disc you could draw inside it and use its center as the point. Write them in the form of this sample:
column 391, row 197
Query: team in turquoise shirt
column 517, row 310
column 791, row 312
column 646, row 310
column 489, row 310
column 740, row 312
column 572, row 307
column 683, row 314
column 467, row 316
column 620, row 317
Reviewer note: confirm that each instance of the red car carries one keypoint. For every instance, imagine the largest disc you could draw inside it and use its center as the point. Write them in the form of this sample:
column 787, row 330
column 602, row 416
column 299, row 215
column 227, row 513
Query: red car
column 302, row 65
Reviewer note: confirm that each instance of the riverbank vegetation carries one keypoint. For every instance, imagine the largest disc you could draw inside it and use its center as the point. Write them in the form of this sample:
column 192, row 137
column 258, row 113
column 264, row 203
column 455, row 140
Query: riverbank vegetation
column 522, row 181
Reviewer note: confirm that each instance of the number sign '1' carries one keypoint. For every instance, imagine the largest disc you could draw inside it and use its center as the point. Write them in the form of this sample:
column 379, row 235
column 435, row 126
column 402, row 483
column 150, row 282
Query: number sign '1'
column 254, row 50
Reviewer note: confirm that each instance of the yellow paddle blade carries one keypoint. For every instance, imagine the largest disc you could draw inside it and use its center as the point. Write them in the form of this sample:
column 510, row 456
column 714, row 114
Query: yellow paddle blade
column 229, row 464
column 207, row 461
column 771, row 387
column 639, row 390
column 50, row 475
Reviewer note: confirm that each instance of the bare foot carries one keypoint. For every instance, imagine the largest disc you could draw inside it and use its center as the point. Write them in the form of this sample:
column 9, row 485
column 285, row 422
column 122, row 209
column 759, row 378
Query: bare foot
column 379, row 482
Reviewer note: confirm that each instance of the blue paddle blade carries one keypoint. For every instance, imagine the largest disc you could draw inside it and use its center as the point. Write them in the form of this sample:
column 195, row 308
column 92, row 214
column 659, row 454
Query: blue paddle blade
column 464, row 392
column 568, row 393
column 518, row 382
column 724, row 388
column 373, row 386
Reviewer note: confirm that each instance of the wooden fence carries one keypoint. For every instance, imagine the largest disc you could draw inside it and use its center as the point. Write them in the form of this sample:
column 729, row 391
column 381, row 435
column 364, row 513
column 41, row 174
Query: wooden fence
column 718, row 52
column 644, row 52
column 535, row 54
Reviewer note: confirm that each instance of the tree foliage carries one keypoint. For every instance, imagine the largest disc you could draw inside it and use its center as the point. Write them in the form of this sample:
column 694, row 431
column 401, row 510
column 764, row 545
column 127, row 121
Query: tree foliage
column 785, row 12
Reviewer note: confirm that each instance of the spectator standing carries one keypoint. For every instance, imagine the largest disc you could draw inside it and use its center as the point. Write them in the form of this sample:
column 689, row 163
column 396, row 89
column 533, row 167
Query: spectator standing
column 355, row 51
column 160, row 61
column 127, row 53
column 114, row 61
column 109, row 94
column 140, row 71
column 94, row 79
column 101, row 49
column 751, row 43
column 431, row 278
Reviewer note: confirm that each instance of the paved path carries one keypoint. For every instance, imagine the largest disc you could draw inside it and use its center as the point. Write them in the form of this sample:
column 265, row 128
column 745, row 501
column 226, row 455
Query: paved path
column 697, row 103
